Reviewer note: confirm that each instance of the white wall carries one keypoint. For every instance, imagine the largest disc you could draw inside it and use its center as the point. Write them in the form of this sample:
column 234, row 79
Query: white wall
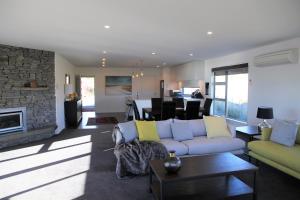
column 147, row 87
column 189, row 71
column 275, row 86
column 188, row 74
column 62, row 67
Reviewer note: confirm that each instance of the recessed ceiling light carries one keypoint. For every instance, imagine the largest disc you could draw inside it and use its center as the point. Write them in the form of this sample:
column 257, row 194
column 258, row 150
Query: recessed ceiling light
column 209, row 33
column 107, row 26
column 191, row 54
column 103, row 59
column 104, row 52
column 153, row 53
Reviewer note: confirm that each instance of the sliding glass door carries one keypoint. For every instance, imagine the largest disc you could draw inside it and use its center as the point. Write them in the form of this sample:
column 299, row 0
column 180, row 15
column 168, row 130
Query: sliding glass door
column 231, row 92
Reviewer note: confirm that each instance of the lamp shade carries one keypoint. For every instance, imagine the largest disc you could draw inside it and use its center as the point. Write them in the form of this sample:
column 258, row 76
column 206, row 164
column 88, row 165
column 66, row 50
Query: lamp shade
column 264, row 113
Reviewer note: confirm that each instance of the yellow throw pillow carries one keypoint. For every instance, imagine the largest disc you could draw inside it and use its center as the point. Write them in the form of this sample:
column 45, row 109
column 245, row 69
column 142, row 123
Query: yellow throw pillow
column 266, row 134
column 147, row 130
column 216, row 127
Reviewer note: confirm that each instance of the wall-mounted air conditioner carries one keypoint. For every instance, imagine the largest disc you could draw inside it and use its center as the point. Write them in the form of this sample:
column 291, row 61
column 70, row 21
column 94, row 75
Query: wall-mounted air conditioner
column 290, row 56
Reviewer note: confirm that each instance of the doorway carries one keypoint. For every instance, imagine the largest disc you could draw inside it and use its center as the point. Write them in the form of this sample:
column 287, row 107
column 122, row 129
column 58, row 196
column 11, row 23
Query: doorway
column 87, row 87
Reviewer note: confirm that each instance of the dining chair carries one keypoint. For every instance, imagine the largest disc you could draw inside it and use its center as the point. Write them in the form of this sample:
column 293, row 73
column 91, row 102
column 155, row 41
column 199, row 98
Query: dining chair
column 179, row 103
column 168, row 110
column 192, row 110
column 136, row 111
column 156, row 108
column 207, row 105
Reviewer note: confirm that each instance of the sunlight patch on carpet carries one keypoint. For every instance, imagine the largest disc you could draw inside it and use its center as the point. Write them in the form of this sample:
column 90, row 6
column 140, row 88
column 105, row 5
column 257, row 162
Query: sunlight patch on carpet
column 41, row 159
column 69, row 142
column 70, row 188
column 67, row 181
column 20, row 152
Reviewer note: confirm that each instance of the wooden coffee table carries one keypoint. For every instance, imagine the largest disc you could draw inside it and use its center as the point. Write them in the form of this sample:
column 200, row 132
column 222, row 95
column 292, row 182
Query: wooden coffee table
column 203, row 177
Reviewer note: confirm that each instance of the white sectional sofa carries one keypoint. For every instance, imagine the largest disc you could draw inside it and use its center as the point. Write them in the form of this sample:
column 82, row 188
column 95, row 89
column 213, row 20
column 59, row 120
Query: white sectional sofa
column 199, row 144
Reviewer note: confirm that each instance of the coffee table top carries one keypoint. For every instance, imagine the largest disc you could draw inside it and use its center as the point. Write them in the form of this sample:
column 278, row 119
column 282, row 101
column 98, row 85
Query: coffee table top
column 203, row 166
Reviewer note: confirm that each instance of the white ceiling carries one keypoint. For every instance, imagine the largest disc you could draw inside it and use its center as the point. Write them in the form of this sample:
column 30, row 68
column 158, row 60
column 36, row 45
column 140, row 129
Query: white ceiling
column 172, row 28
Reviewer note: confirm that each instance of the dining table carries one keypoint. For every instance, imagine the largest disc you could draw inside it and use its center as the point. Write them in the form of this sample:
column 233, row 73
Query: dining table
column 152, row 113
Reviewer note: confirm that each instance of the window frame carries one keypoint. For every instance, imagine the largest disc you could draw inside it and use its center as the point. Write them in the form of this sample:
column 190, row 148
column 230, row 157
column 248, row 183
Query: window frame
column 225, row 83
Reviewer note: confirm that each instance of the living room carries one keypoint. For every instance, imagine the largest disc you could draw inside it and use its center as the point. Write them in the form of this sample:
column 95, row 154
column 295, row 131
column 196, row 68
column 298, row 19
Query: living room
column 79, row 82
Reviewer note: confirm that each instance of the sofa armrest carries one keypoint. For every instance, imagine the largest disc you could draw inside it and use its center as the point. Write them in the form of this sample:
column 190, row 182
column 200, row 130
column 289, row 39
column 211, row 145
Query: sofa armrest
column 231, row 128
column 117, row 136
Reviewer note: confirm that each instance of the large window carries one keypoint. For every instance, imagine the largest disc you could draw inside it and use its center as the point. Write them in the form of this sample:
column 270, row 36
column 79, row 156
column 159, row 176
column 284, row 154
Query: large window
column 188, row 90
column 231, row 92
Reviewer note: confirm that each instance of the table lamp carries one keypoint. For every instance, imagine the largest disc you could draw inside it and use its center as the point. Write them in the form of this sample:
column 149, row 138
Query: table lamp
column 264, row 113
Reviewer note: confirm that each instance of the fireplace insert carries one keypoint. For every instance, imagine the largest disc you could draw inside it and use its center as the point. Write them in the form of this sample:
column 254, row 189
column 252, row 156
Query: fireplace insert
column 12, row 119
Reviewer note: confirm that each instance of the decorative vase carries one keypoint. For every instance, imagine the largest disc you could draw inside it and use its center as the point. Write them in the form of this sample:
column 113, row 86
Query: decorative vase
column 173, row 163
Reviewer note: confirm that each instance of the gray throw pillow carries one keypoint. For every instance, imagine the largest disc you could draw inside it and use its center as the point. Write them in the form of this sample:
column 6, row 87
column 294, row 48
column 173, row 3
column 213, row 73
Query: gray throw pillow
column 164, row 128
column 128, row 130
column 197, row 126
column 284, row 132
column 181, row 131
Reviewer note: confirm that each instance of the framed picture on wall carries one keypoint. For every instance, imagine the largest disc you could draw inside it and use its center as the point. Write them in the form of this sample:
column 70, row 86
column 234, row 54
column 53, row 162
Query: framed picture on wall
column 118, row 85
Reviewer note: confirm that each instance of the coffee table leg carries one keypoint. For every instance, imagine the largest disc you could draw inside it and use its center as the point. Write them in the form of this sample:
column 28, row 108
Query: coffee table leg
column 162, row 190
column 150, row 180
column 254, row 187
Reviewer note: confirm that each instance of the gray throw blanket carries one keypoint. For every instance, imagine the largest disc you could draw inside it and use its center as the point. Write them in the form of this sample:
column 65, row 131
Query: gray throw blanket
column 133, row 158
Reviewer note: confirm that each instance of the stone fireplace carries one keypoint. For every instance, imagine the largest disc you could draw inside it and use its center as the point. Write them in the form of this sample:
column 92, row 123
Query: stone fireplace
column 34, row 106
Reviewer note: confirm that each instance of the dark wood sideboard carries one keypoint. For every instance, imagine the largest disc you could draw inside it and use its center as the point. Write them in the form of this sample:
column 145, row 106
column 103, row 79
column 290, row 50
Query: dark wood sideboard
column 73, row 113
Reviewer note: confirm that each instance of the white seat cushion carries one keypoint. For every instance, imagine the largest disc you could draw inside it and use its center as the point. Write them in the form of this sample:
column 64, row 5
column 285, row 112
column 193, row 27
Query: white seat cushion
column 203, row 145
column 173, row 145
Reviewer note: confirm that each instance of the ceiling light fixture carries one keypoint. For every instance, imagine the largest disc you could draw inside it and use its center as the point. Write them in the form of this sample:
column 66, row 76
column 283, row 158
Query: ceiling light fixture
column 107, row 26
column 157, row 66
column 104, row 59
column 191, row 54
column 209, row 33
column 104, row 52
column 153, row 53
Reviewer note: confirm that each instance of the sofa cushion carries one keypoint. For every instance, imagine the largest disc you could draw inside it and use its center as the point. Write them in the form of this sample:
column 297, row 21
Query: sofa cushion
column 216, row 127
column 128, row 131
column 147, row 131
column 173, row 145
column 181, row 131
column 197, row 126
column 203, row 145
column 284, row 132
column 164, row 128
column 286, row 156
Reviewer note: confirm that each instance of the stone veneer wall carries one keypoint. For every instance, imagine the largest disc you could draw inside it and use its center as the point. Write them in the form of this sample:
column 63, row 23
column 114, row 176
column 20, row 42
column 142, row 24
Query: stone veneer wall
column 20, row 65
